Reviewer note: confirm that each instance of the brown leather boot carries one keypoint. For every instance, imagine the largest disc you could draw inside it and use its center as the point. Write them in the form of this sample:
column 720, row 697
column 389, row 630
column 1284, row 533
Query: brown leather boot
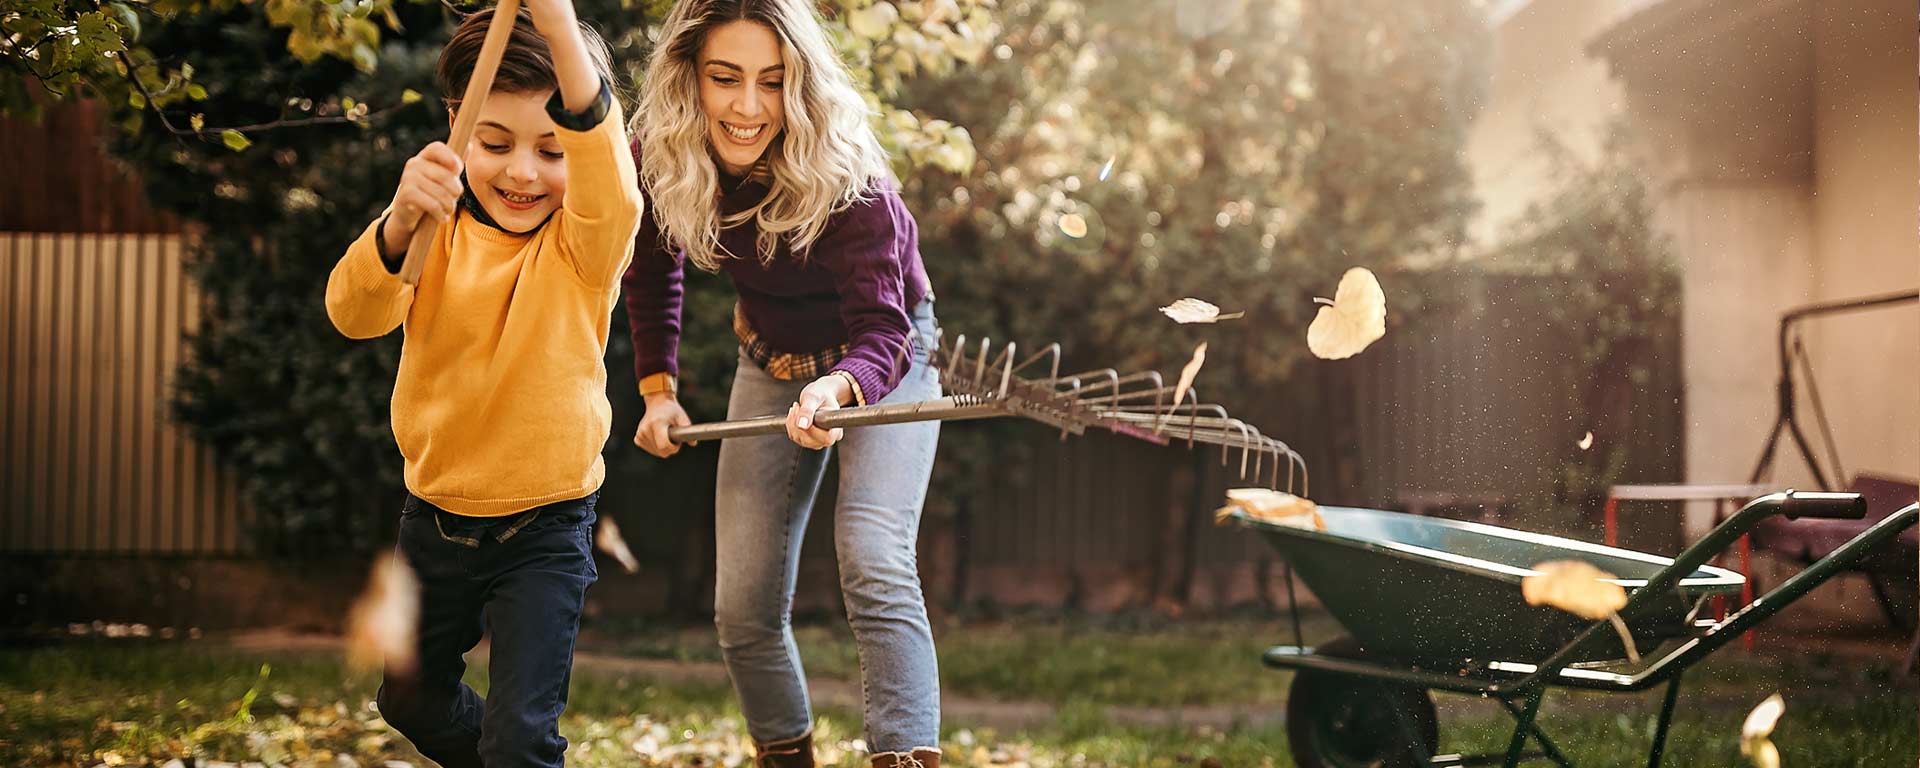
column 796, row 752
column 920, row 757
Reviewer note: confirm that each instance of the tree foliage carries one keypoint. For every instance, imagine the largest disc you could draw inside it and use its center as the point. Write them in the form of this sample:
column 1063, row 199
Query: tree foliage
column 304, row 113
column 1245, row 153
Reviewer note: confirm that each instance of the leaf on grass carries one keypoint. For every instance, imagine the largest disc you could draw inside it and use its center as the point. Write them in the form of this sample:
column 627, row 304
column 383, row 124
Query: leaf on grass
column 1355, row 318
column 1191, row 310
column 611, row 542
column 1268, row 505
column 1586, row 442
column 385, row 619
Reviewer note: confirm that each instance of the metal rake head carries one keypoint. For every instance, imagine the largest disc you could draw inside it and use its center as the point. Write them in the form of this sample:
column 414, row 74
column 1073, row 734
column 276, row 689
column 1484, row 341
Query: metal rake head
column 1138, row 405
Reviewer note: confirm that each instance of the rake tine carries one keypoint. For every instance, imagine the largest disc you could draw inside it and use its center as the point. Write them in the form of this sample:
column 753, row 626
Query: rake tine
column 955, row 358
column 1007, row 373
column 980, row 363
column 1051, row 349
column 1120, row 394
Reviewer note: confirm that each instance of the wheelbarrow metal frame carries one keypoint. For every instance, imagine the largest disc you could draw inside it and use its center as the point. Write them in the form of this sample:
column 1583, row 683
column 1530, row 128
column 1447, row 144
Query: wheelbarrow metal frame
column 1520, row 686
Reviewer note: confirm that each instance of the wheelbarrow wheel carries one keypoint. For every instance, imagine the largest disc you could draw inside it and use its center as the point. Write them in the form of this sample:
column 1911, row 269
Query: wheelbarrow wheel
column 1336, row 721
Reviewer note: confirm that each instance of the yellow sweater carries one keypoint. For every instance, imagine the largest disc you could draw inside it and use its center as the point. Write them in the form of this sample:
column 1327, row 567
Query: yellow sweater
column 500, row 404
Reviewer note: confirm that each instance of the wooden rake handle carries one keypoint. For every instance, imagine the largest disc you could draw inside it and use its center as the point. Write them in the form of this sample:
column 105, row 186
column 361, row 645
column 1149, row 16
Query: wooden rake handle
column 478, row 86
column 948, row 408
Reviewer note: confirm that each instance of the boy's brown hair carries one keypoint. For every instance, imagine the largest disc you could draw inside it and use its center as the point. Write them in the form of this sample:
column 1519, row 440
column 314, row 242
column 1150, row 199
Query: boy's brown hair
column 525, row 67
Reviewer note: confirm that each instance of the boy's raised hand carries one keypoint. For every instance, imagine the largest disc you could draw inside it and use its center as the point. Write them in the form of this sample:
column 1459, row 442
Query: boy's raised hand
column 429, row 186
column 572, row 67
column 551, row 16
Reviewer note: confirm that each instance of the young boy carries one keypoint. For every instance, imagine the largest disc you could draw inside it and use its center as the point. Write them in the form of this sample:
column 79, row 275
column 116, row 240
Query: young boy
column 500, row 406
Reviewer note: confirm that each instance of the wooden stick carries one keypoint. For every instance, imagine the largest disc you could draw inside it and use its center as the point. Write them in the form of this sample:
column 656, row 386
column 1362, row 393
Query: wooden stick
column 478, row 86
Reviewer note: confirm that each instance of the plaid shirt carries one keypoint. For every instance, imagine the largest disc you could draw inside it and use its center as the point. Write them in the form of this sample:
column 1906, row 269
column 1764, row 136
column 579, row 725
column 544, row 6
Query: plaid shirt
column 785, row 366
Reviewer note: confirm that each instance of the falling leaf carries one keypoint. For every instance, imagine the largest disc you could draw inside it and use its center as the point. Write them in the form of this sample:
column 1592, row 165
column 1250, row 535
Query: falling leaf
column 611, row 542
column 1756, row 732
column 1273, row 506
column 409, row 96
column 1579, row 588
column 1355, row 318
column 1106, row 170
column 1763, row 718
column 1574, row 586
column 1191, row 370
column 1586, row 442
column 1073, row 225
column 383, row 621
column 1192, row 310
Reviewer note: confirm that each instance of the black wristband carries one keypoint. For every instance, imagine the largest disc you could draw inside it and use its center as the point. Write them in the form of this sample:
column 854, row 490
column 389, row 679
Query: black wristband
column 380, row 246
column 580, row 122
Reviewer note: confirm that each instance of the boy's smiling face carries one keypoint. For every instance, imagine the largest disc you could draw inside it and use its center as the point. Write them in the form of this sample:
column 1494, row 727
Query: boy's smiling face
column 515, row 166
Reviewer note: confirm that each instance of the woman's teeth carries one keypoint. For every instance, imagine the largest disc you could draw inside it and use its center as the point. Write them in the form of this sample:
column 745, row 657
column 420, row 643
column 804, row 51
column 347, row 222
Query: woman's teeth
column 743, row 134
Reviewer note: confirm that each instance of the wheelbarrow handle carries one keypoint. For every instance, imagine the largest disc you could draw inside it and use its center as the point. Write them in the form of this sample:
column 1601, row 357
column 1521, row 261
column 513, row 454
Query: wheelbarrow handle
column 1831, row 506
column 1723, row 536
column 1762, row 607
column 950, row 408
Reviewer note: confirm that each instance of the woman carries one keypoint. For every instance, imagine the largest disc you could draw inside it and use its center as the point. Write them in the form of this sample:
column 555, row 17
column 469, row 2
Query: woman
column 757, row 159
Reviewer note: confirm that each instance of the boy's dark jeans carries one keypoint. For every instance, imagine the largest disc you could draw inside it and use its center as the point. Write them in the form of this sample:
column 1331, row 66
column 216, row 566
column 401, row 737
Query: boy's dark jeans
column 522, row 576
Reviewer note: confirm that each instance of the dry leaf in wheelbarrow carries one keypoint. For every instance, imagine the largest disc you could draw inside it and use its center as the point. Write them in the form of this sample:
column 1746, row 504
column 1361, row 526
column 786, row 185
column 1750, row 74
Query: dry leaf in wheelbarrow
column 1579, row 588
column 1191, row 310
column 382, row 624
column 1355, row 318
column 1756, row 733
column 1273, row 506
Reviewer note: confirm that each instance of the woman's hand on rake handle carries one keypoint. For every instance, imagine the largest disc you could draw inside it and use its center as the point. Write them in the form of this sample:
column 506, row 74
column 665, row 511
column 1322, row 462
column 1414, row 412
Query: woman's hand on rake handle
column 824, row 394
column 663, row 413
column 429, row 187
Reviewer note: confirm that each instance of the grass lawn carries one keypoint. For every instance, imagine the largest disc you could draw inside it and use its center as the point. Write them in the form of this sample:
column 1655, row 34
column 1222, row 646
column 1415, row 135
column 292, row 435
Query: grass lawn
column 116, row 702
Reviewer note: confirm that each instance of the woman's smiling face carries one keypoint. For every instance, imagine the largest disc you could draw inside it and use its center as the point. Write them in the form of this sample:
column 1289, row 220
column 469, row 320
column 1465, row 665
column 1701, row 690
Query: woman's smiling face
column 742, row 76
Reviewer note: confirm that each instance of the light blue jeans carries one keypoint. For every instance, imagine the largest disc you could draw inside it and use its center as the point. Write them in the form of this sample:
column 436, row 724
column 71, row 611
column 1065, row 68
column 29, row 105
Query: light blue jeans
column 766, row 491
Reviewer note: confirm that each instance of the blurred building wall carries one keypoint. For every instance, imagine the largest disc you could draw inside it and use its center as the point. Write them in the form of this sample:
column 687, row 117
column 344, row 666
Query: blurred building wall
column 1779, row 137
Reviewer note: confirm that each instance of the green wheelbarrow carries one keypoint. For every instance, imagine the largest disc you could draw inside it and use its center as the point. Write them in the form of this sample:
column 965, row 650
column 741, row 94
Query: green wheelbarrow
column 1432, row 604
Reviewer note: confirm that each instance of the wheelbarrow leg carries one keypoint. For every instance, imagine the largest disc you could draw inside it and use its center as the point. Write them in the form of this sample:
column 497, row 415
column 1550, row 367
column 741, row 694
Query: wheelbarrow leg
column 1666, row 719
column 1546, row 745
column 1525, row 725
column 1410, row 733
